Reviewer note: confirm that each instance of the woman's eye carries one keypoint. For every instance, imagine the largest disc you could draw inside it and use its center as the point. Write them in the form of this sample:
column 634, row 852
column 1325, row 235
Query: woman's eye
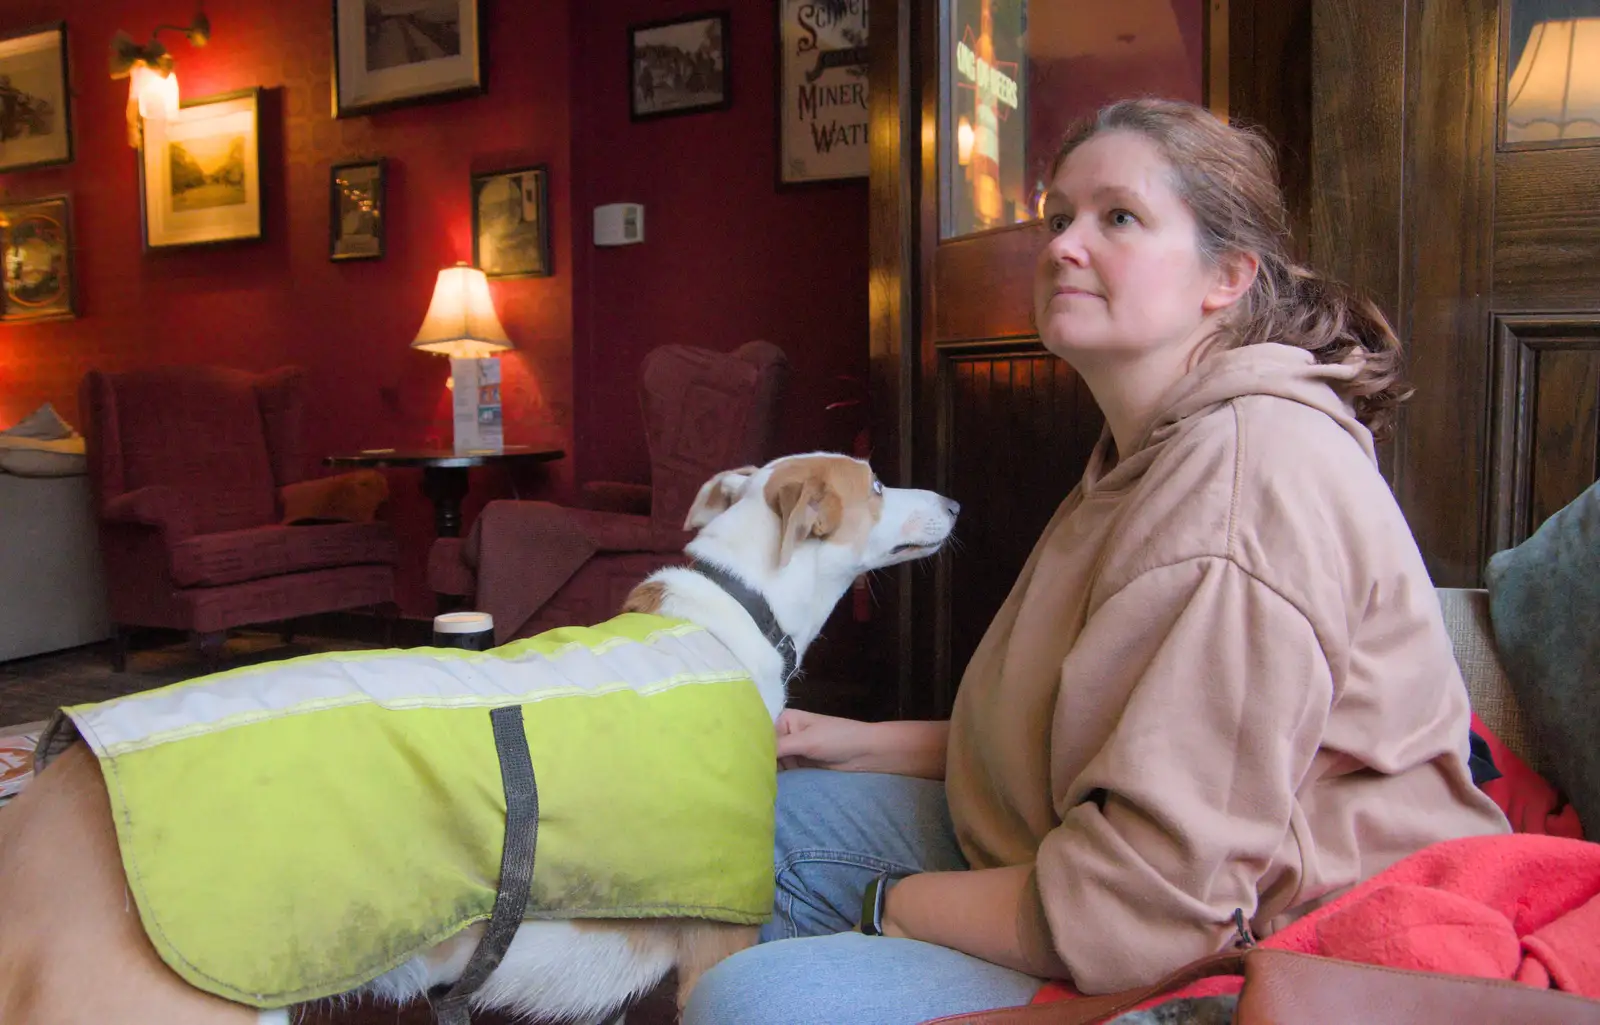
column 1058, row 223
column 877, row 486
column 1122, row 218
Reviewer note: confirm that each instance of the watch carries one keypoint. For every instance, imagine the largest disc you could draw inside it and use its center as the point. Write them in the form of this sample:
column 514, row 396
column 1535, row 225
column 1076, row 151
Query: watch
column 872, row 900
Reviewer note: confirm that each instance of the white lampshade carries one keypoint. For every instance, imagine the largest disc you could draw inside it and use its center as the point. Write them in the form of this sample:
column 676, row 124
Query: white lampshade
column 155, row 93
column 461, row 321
column 1554, row 92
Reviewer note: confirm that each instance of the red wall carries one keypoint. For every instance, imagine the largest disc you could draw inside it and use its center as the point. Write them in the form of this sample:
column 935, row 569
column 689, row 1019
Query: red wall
column 728, row 257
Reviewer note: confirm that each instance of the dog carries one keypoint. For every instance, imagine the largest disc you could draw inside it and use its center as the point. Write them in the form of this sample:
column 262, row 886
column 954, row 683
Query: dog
column 775, row 549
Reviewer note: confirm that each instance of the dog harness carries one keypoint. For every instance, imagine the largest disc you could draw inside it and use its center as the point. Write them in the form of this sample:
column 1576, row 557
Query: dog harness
column 292, row 831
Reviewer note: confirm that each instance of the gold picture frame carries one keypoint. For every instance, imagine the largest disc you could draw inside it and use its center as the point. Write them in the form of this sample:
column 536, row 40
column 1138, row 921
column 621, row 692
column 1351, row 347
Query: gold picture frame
column 37, row 281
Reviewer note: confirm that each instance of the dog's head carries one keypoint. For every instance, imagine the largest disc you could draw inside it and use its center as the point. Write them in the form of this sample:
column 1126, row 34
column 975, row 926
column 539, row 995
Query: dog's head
column 829, row 508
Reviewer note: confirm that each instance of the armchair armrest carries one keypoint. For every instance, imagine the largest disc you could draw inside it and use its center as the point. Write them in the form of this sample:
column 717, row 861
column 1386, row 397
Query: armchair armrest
column 156, row 505
column 614, row 496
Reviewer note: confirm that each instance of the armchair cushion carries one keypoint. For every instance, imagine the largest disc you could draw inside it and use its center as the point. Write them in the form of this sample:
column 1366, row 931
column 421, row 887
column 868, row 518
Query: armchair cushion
column 352, row 497
column 234, row 556
column 154, row 505
column 1544, row 599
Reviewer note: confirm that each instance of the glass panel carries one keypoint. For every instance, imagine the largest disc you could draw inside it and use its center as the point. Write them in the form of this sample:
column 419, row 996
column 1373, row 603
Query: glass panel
column 1017, row 73
column 1553, row 71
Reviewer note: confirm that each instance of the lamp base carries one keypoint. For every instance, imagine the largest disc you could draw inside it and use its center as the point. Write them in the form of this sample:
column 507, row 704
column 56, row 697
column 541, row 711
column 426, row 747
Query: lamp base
column 478, row 421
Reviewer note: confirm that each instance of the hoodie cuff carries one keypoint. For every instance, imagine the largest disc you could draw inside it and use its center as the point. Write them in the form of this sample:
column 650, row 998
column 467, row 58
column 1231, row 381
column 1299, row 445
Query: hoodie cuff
column 1035, row 941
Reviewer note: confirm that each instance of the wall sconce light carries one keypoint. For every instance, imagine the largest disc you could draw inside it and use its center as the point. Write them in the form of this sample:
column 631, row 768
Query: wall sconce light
column 153, row 82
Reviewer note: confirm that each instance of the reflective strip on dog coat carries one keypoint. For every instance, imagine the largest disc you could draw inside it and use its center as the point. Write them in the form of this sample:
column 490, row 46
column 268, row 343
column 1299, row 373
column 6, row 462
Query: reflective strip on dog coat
column 291, row 831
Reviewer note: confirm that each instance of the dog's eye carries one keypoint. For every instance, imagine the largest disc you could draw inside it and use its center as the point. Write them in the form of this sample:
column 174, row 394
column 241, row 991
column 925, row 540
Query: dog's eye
column 877, row 486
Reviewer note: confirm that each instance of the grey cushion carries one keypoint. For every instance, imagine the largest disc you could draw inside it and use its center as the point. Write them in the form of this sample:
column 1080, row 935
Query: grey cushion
column 1544, row 604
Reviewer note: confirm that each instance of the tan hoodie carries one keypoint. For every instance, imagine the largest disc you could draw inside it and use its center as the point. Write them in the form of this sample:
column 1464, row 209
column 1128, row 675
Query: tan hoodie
column 1221, row 681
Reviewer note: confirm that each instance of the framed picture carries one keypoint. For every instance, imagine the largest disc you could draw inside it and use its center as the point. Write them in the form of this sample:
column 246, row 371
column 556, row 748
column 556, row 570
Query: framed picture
column 392, row 53
column 678, row 66
column 511, row 223
column 822, row 91
column 36, row 279
column 355, row 214
column 35, row 100
column 200, row 173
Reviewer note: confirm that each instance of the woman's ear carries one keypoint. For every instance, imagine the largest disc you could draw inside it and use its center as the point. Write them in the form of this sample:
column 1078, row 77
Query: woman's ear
column 1236, row 272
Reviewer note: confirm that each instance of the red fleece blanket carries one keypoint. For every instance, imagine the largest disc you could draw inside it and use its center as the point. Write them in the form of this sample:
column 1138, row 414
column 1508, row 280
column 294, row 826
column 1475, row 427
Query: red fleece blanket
column 1523, row 907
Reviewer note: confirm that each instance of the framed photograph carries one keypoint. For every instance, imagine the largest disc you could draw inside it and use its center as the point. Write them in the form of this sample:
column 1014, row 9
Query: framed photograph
column 393, row 53
column 35, row 100
column 355, row 214
column 36, row 279
column 822, row 91
column 511, row 223
column 200, row 173
column 678, row 66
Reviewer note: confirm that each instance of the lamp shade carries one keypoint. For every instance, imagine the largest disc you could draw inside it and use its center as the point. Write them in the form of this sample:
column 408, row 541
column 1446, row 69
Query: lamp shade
column 1554, row 91
column 461, row 321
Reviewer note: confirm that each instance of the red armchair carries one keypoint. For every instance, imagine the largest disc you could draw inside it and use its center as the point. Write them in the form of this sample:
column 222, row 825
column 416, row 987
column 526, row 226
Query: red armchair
column 535, row 566
column 192, row 468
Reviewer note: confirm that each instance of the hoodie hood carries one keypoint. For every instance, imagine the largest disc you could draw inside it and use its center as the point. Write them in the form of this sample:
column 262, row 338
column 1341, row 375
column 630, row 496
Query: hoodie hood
column 1267, row 369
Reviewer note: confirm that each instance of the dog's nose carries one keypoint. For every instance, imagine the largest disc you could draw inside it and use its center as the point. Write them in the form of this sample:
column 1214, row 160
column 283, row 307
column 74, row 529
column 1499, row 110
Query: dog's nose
column 954, row 507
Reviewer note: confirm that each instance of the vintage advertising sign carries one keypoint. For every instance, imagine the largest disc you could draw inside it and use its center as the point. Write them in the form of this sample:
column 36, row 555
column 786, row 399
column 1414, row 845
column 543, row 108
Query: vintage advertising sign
column 822, row 90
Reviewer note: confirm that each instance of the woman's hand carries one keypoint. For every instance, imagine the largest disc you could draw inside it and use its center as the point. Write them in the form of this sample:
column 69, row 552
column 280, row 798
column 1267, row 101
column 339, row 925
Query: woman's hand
column 908, row 748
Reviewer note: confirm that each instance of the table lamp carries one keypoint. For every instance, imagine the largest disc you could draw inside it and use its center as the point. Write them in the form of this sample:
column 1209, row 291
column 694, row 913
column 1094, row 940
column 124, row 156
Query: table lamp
column 461, row 324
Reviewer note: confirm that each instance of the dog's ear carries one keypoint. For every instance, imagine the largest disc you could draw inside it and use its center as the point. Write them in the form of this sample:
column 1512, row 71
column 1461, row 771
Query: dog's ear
column 806, row 507
column 716, row 495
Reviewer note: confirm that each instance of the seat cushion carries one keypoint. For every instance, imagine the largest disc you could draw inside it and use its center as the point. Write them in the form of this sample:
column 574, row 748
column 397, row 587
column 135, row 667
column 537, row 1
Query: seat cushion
column 1544, row 604
column 230, row 557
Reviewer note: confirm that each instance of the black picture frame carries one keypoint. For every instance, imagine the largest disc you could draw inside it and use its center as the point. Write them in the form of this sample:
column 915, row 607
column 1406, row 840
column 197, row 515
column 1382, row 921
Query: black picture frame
column 528, row 254
column 659, row 34
column 23, row 216
column 247, row 225
column 346, row 181
column 358, row 90
column 29, row 47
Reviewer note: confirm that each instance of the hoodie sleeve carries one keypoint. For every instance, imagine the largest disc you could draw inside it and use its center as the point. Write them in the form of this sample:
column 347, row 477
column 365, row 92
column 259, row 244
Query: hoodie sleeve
column 1172, row 824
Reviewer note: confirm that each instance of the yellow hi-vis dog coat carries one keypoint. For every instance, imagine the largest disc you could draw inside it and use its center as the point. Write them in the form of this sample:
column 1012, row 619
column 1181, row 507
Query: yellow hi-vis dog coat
column 291, row 831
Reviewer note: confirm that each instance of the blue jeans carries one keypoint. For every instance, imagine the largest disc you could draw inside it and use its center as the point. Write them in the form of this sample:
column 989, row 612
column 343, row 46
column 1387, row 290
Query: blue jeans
column 836, row 830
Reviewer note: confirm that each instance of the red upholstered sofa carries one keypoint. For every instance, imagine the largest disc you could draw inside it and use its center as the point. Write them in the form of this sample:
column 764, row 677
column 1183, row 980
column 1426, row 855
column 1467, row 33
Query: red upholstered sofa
column 190, row 469
column 535, row 566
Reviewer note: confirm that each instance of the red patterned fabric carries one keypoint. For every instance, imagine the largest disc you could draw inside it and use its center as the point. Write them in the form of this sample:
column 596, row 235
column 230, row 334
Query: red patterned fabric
column 187, row 465
column 234, row 556
column 704, row 412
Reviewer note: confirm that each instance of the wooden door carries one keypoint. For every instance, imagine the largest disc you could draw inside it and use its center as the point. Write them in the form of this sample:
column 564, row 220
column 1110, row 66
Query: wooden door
column 1434, row 192
column 966, row 400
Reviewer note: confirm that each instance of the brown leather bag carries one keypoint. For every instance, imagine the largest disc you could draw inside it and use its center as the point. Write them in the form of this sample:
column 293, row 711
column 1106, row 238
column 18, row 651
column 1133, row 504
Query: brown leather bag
column 1285, row 988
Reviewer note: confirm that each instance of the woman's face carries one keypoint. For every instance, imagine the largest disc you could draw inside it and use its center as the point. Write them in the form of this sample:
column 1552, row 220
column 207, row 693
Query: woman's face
column 1121, row 274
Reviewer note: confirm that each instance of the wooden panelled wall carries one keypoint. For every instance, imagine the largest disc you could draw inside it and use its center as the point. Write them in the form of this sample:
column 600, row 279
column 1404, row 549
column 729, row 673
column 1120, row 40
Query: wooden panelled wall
column 1487, row 258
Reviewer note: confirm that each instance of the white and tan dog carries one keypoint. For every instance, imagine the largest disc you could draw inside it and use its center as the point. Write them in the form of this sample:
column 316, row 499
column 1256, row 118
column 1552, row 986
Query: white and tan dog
column 796, row 532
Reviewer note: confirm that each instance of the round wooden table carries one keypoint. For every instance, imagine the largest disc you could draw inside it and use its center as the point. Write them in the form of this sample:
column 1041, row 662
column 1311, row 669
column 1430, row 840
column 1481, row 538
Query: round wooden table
column 444, row 472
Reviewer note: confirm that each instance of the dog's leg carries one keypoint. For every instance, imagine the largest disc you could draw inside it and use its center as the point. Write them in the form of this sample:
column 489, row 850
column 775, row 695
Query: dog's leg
column 702, row 944
column 72, row 951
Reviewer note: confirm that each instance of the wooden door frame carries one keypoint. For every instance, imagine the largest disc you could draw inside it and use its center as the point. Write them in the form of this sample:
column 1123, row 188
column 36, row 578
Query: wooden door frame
column 1248, row 44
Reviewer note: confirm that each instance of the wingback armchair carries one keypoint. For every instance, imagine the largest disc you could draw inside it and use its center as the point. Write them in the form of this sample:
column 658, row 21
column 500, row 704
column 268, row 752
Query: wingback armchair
column 535, row 566
column 192, row 469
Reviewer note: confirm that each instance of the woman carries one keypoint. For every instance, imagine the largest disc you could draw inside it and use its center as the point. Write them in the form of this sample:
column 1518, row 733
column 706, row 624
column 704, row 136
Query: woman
column 1222, row 681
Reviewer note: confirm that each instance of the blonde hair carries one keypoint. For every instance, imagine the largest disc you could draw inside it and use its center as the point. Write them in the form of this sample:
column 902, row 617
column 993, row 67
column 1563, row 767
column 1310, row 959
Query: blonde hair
column 1228, row 178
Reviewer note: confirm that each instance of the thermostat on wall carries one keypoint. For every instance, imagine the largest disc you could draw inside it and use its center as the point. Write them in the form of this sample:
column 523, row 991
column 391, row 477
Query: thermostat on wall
column 618, row 224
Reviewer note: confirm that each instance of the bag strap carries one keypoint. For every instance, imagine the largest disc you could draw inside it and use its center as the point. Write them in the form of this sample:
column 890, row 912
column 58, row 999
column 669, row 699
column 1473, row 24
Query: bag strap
column 516, row 866
column 1089, row 1010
